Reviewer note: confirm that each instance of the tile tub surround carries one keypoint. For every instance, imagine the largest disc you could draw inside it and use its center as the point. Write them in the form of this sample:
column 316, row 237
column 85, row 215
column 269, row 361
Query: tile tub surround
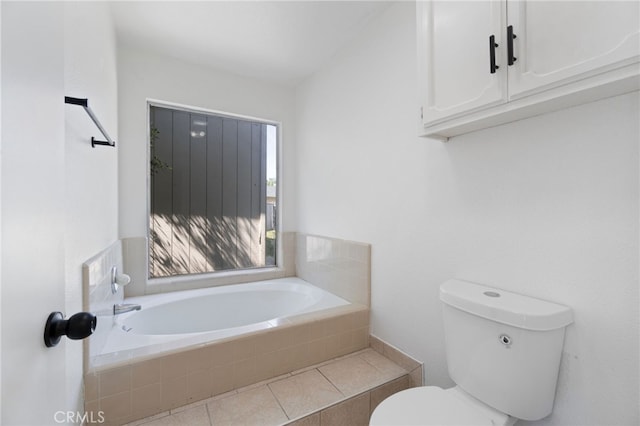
column 413, row 366
column 339, row 266
column 143, row 387
column 342, row 391
column 97, row 296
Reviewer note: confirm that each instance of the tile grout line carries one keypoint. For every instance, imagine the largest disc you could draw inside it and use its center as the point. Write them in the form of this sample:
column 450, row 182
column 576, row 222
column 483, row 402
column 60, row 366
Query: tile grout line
column 279, row 403
column 319, row 409
column 206, row 406
column 345, row 399
column 332, row 384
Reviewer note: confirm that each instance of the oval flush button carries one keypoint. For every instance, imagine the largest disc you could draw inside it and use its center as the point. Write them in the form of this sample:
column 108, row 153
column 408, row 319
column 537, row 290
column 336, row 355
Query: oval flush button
column 491, row 294
column 505, row 340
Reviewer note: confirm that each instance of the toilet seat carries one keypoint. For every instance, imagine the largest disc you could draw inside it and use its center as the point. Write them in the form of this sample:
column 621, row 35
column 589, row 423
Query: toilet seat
column 431, row 405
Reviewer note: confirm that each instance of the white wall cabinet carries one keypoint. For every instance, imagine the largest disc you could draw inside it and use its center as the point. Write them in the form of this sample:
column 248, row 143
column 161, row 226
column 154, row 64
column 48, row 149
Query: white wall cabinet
column 484, row 63
column 456, row 66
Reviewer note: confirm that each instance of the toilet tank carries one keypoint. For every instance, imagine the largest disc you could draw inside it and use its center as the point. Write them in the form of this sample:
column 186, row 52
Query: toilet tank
column 504, row 348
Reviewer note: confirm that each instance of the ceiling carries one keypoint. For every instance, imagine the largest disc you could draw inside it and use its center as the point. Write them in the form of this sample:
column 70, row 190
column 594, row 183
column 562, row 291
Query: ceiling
column 278, row 41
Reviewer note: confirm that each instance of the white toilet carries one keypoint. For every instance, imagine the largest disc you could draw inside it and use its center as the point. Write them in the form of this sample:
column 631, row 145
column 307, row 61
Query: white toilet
column 503, row 352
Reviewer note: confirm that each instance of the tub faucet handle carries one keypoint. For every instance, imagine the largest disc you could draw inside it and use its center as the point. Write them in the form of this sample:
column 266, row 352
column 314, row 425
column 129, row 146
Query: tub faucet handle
column 118, row 280
column 123, row 279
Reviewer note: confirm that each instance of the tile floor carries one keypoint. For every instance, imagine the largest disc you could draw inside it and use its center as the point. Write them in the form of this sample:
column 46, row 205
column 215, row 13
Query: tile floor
column 341, row 391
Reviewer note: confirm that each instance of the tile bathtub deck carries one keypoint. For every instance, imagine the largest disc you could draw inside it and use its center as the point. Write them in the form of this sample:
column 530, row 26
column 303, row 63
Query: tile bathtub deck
column 344, row 388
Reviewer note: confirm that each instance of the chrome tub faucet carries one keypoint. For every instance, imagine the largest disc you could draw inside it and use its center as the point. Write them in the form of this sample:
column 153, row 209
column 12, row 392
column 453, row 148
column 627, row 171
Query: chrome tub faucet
column 122, row 308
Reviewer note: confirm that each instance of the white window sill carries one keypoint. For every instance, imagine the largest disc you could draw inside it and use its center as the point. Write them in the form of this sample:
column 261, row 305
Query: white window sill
column 193, row 281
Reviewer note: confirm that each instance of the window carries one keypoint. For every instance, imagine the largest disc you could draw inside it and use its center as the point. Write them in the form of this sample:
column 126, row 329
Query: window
column 213, row 193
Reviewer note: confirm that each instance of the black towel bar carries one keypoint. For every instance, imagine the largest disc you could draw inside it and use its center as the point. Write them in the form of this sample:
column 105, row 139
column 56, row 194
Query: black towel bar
column 84, row 103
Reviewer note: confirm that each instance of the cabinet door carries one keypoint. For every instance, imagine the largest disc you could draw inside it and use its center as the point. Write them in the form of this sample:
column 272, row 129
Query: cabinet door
column 454, row 57
column 559, row 42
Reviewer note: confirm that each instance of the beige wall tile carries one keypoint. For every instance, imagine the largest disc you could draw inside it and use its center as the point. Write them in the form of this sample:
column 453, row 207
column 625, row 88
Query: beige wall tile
column 300, row 357
column 90, row 386
column 289, row 249
column 307, row 332
column 338, row 324
column 339, row 344
column 116, row 406
column 388, row 368
column 376, row 344
column 416, row 377
column 339, row 266
column 318, row 351
column 198, row 359
column 97, row 295
column 244, row 372
column 146, row 372
column 394, row 354
column 174, row 392
column 146, row 401
column 352, row 412
column 114, row 381
column 266, row 367
column 400, row 358
column 222, row 379
column 221, row 353
column 312, row 420
column 244, row 348
column 134, row 253
column 274, row 339
column 360, row 338
column 382, row 392
column 274, row 363
column 174, row 365
column 199, row 384
column 361, row 318
column 92, row 407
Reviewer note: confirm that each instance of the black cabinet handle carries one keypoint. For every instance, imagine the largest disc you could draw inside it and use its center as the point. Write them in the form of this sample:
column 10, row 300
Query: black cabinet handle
column 510, row 37
column 492, row 54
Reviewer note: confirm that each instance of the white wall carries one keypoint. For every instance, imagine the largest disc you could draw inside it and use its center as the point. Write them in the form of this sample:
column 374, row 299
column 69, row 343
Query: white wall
column 546, row 207
column 143, row 76
column 32, row 210
column 32, row 203
column 0, row 212
column 56, row 212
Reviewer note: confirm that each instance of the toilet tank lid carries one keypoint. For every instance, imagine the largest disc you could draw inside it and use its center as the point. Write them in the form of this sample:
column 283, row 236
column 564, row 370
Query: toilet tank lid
column 505, row 307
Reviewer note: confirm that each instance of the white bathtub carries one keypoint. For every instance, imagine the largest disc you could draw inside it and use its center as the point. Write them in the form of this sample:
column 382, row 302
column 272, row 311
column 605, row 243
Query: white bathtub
column 171, row 321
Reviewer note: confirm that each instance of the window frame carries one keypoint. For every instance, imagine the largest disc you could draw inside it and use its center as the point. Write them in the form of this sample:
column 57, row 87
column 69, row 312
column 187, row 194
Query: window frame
column 226, row 276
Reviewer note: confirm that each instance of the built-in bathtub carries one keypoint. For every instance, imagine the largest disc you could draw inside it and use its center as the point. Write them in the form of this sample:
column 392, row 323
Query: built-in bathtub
column 188, row 346
column 217, row 310
column 143, row 371
column 172, row 321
